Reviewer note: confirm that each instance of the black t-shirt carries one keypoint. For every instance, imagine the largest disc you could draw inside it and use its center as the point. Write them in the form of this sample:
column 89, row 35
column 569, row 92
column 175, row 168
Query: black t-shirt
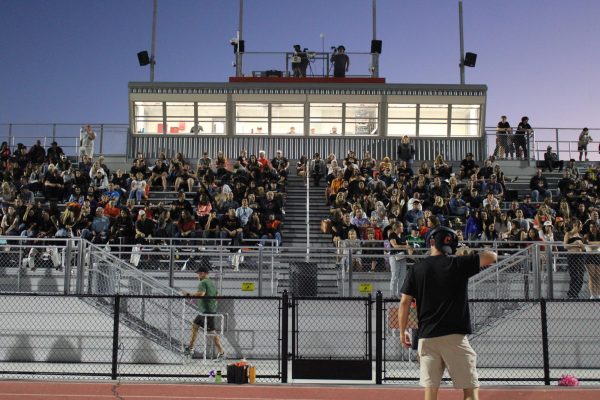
column 398, row 239
column 439, row 285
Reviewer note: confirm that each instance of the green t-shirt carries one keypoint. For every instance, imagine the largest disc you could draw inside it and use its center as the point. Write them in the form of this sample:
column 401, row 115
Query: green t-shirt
column 207, row 306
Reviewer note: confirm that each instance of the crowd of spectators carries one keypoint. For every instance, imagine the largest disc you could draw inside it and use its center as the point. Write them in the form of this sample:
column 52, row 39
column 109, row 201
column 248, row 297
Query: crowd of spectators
column 44, row 195
column 372, row 199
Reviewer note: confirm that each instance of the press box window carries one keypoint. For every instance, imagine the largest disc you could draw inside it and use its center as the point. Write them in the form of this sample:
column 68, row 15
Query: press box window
column 148, row 117
column 251, row 118
column 211, row 118
column 180, row 117
column 402, row 120
column 361, row 119
column 326, row 119
column 287, row 119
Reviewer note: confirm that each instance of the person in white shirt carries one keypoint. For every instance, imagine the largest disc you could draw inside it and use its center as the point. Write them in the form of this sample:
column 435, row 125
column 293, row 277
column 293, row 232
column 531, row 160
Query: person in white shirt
column 137, row 189
column 86, row 141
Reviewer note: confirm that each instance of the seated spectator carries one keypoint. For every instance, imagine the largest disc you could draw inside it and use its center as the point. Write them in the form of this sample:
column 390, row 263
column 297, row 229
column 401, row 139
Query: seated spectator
column 165, row 226
column 122, row 230
column 528, row 209
column 211, row 229
column 231, row 229
column 144, row 227
column 467, row 166
column 243, row 213
column 179, row 205
column 495, row 187
column 551, row 160
column 441, row 168
column 99, row 182
column 539, row 186
column 137, row 190
column 457, row 205
column 99, row 229
column 159, row 174
column 491, row 202
column 412, row 216
column 111, row 209
column 317, row 169
column 53, row 185
column 272, row 229
column 186, row 225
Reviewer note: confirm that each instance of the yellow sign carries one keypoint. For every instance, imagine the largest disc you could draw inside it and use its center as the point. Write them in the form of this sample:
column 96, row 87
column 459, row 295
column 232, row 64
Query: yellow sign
column 247, row 286
column 365, row 288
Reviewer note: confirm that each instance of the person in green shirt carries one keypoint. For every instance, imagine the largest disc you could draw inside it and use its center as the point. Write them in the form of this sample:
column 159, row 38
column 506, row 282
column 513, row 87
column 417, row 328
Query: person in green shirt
column 207, row 304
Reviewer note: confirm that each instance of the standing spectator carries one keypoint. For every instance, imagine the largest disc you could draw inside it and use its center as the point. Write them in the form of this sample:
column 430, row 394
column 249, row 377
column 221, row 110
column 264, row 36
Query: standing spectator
column 504, row 139
column 55, row 153
column 86, row 141
column 317, row 169
column 37, row 154
column 406, row 151
column 582, row 143
column 398, row 250
column 524, row 133
column 575, row 245
column 340, row 61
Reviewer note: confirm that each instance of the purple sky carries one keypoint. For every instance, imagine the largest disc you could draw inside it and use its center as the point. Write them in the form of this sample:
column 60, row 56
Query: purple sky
column 70, row 60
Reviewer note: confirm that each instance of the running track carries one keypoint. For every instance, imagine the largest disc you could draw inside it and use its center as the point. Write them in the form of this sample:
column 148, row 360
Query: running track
column 16, row 390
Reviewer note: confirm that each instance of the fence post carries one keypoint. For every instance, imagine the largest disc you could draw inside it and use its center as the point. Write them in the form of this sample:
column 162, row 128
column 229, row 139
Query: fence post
column 284, row 336
column 546, row 357
column 171, row 267
column 115, row 348
column 537, row 276
column 67, row 269
column 349, row 270
column 81, row 267
column 550, row 272
column 260, row 270
column 101, row 138
column 378, row 337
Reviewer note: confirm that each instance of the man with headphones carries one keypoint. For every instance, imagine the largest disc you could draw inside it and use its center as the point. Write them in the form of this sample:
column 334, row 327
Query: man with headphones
column 439, row 285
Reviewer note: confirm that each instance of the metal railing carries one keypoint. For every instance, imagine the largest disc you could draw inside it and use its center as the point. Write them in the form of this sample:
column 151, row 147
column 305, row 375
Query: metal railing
column 257, row 63
column 563, row 141
column 111, row 139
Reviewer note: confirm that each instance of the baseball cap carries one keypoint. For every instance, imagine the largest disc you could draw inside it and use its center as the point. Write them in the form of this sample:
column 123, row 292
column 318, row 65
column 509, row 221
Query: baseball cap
column 548, row 223
column 559, row 219
column 446, row 240
column 142, row 212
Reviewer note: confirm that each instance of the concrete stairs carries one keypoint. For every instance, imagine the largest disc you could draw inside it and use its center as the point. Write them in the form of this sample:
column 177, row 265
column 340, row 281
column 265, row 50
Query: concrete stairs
column 294, row 228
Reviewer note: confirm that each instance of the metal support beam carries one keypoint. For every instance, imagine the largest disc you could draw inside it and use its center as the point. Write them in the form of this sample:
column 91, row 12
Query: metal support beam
column 462, row 43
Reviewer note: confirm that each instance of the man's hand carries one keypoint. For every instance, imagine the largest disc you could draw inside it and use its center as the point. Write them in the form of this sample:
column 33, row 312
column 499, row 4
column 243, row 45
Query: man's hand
column 406, row 339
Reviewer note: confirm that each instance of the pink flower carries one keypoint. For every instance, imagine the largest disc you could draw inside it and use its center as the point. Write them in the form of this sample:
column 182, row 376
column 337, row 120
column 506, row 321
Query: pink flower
column 568, row 380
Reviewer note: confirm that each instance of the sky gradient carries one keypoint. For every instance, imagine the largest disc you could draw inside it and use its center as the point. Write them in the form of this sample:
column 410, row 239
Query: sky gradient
column 70, row 60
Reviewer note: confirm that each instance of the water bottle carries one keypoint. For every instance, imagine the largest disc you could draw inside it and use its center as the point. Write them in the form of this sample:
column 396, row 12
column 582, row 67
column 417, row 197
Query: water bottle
column 218, row 377
column 251, row 374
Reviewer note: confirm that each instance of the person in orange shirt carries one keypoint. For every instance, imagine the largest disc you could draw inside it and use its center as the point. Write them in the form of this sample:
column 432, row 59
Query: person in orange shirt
column 111, row 209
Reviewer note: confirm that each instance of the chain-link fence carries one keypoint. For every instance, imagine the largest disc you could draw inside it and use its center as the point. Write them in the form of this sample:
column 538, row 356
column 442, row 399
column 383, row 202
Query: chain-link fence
column 538, row 341
column 100, row 336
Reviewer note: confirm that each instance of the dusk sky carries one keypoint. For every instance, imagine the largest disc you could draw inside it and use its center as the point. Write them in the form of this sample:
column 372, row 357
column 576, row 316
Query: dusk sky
column 71, row 60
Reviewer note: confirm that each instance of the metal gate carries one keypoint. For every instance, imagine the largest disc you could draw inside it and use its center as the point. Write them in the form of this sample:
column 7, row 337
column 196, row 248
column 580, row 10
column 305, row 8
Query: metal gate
column 332, row 338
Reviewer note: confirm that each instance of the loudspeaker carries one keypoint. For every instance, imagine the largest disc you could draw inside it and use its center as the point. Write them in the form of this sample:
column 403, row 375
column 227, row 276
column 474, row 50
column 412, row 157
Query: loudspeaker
column 241, row 45
column 470, row 59
column 303, row 279
column 376, row 46
column 143, row 58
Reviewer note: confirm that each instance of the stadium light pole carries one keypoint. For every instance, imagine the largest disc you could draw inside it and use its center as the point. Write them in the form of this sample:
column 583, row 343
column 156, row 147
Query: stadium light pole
column 462, row 43
column 374, row 56
column 153, row 49
column 240, row 37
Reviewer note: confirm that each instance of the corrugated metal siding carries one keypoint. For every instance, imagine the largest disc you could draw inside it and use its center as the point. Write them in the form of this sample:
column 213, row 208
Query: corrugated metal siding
column 453, row 149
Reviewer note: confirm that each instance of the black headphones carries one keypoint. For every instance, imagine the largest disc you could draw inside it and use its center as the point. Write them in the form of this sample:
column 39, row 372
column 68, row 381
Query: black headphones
column 445, row 238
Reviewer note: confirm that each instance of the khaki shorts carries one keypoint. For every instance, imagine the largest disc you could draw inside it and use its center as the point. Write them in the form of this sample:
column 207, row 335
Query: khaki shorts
column 453, row 352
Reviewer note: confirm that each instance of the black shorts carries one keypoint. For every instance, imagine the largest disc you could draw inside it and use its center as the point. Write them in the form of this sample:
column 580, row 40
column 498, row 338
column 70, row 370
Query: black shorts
column 210, row 322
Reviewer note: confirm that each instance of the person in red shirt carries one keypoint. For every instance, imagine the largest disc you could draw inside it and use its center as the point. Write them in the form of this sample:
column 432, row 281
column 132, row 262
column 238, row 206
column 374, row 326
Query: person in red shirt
column 186, row 225
column 263, row 161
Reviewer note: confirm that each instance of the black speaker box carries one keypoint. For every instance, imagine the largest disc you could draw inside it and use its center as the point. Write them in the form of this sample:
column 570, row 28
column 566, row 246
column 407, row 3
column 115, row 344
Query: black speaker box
column 376, row 46
column 470, row 59
column 303, row 279
column 143, row 58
